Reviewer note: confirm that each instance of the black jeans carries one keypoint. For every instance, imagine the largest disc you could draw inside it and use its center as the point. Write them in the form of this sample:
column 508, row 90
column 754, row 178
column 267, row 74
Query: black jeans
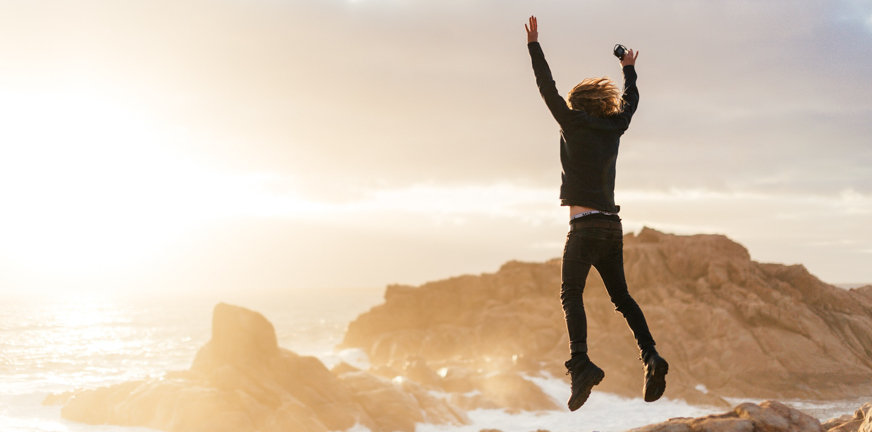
column 602, row 248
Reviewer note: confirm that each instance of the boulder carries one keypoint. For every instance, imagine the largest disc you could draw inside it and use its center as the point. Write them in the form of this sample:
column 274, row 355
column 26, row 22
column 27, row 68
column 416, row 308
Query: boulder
column 510, row 390
column 398, row 404
column 727, row 324
column 768, row 416
column 860, row 421
column 241, row 380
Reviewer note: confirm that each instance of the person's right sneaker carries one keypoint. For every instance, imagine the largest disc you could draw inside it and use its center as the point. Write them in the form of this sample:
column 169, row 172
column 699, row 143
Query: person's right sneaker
column 655, row 375
column 584, row 375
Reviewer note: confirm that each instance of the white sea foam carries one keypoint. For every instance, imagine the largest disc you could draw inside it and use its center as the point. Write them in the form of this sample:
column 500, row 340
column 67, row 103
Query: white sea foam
column 603, row 412
column 354, row 356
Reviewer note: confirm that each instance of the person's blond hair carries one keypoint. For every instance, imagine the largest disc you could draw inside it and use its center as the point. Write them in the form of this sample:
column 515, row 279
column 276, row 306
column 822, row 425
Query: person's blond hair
column 598, row 97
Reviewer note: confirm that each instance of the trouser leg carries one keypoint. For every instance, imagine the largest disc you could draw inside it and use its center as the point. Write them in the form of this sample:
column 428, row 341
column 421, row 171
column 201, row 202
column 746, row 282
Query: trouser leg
column 573, row 276
column 611, row 269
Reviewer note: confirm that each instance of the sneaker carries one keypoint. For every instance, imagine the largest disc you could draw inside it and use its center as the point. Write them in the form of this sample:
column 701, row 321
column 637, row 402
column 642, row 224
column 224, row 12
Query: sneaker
column 584, row 375
column 655, row 376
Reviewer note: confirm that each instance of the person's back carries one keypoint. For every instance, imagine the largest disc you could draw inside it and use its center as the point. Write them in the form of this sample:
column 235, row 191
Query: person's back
column 590, row 132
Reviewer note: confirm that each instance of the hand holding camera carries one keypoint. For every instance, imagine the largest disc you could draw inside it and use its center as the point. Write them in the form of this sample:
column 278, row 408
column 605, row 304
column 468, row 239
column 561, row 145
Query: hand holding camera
column 627, row 56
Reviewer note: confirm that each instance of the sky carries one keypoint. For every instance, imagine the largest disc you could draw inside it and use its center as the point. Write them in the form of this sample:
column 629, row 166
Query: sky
column 185, row 145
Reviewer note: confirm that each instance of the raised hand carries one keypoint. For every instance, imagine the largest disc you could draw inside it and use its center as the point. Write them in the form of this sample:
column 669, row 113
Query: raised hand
column 629, row 58
column 532, row 30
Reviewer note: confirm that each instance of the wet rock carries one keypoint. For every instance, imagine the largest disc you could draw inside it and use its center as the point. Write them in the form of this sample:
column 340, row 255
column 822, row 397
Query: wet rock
column 768, row 416
column 514, row 392
column 242, row 381
column 860, row 421
column 458, row 379
column 397, row 405
column 58, row 398
column 416, row 369
column 343, row 367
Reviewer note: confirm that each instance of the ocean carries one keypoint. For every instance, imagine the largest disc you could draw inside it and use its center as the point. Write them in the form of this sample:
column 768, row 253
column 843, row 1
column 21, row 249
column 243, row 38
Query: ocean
column 55, row 343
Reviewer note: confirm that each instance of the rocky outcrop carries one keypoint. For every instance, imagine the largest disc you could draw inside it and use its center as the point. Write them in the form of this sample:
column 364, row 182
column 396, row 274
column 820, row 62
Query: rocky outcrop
column 242, row 381
column 729, row 326
column 769, row 416
column 860, row 421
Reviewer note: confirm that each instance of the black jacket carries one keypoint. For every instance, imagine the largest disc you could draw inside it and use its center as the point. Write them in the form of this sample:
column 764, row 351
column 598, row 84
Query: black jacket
column 588, row 144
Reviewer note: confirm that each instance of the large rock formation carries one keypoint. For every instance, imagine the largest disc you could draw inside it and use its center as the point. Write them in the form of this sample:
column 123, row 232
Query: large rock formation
column 769, row 416
column 729, row 326
column 242, row 381
column 861, row 421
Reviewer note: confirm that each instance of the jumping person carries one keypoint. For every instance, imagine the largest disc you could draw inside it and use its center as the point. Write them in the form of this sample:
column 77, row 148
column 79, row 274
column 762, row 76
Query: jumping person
column 591, row 126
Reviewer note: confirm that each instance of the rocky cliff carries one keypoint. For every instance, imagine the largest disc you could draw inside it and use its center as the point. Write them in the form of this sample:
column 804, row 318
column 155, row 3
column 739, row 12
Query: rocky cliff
column 242, row 381
column 729, row 326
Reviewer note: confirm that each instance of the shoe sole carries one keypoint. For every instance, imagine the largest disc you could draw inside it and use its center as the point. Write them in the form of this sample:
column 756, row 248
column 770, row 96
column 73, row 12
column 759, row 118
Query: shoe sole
column 594, row 377
column 655, row 386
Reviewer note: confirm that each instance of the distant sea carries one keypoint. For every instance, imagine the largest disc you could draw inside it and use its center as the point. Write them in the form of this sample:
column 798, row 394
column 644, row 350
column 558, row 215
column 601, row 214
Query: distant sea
column 851, row 285
column 56, row 343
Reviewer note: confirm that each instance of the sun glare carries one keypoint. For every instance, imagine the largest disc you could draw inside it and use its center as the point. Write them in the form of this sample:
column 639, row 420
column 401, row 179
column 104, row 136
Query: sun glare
column 85, row 182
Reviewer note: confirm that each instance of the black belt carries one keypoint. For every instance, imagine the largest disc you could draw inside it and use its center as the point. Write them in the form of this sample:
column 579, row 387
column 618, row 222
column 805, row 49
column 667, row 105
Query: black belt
column 593, row 223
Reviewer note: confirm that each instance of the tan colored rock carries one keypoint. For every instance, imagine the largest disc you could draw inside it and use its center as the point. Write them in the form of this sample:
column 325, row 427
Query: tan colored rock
column 860, row 421
column 769, row 416
column 397, row 405
column 738, row 327
column 458, row 379
column 416, row 369
column 866, row 426
column 848, row 426
column 838, row 421
column 510, row 390
column 242, row 381
column 343, row 367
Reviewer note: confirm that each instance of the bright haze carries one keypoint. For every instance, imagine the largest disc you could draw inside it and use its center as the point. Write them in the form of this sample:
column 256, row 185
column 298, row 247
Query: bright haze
column 228, row 145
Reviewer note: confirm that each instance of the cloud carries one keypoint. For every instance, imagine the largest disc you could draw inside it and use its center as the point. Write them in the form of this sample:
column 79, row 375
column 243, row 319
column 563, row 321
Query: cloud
column 391, row 116
column 412, row 92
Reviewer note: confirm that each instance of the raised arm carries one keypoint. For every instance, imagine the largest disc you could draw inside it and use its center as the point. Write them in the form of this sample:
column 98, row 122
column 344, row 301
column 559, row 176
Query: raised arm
column 630, row 97
column 547, row 88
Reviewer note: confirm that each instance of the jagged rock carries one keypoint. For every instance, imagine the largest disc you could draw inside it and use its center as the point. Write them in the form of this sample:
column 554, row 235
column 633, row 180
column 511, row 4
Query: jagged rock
column 860, row 421
column 732, row 326
column 458, row 379
column 510, row 390
column 342, row 368
column 769, row 416
column 417, row 370
column 396, row 405
column 242, row 381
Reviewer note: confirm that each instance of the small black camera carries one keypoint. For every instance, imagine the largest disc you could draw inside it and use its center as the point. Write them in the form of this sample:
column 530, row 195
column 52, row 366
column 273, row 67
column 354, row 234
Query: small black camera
column 620, row 51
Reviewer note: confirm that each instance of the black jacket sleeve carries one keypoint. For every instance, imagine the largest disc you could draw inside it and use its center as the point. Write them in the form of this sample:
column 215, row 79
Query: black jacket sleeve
column 547, row 88
column 630, row 98
column 568, row 117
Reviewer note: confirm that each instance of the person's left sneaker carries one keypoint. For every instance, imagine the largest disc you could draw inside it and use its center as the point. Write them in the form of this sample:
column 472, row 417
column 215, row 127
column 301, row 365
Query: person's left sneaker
column 656, row 368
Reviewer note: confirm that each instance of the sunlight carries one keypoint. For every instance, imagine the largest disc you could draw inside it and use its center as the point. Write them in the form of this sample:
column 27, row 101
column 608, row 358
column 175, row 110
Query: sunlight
column 85, row 182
